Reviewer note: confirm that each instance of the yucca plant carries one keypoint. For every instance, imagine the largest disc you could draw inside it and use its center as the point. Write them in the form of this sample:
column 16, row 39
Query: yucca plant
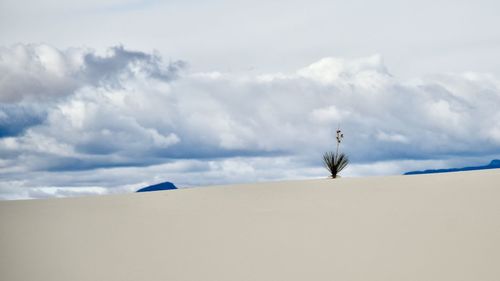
column 335, row 161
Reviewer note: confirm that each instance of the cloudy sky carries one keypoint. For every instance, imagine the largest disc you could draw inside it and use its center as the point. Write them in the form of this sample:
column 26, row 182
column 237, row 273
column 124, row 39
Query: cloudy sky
column 104, row 97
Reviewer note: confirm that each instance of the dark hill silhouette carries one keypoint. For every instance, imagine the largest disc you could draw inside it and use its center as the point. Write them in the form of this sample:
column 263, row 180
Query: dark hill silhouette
column 494, row 164
column 157, row 187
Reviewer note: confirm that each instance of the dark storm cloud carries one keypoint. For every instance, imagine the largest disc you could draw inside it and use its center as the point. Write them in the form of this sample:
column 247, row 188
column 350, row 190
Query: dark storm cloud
column 59, row 164
column 119, row 65
column 14, row 119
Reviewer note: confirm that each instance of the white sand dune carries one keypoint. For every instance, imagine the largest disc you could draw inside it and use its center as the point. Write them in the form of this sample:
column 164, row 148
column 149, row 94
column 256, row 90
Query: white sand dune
column 427, row 227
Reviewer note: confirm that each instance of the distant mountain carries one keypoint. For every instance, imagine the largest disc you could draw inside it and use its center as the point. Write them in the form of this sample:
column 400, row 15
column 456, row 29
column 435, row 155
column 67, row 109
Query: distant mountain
column 157, row 187
column 494, row 164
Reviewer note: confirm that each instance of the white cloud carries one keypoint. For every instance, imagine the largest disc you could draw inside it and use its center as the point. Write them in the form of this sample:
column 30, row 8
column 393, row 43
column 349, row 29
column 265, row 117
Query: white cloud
column 391, row 137
column 133, row 117
column 37, row 72
column 365, row 72
column 327, row 115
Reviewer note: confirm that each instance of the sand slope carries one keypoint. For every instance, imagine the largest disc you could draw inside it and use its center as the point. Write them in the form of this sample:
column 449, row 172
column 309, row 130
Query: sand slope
column 426, row 227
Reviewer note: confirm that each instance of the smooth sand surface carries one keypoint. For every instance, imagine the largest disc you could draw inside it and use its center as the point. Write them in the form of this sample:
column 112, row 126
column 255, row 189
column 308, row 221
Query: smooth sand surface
column 423, row 228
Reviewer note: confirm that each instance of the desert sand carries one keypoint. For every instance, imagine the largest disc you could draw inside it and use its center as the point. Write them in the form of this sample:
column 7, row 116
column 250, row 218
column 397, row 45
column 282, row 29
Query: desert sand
column 426, row 227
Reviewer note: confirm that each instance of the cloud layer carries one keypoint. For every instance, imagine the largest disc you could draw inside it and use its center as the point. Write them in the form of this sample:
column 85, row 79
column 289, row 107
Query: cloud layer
column 76, row 121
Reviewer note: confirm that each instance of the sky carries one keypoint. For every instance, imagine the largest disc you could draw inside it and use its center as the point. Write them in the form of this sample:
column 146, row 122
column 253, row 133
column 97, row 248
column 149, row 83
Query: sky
column 104, row 97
